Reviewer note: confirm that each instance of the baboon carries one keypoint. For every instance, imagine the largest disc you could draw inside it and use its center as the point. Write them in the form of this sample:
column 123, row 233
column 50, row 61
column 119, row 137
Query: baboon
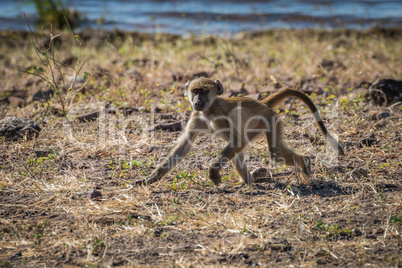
column 238, row 121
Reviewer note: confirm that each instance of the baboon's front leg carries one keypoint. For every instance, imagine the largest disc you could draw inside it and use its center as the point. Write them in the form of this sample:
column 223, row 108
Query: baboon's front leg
column 177, row 154
column 241, row 168
column 227, row 154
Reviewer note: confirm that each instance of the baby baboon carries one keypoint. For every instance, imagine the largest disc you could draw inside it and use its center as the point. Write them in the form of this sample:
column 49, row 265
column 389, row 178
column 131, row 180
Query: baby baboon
column 238, row 121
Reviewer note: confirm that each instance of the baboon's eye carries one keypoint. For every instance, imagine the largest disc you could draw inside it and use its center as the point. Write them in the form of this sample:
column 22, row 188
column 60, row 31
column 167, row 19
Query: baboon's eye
column 195, row 91
column 203, row 90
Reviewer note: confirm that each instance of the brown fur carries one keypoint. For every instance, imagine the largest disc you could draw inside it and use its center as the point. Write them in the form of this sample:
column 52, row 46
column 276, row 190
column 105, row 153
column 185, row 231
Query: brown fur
column 230, row 118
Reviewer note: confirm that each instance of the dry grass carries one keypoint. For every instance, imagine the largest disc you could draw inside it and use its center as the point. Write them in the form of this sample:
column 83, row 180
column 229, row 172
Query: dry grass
column 342, row 218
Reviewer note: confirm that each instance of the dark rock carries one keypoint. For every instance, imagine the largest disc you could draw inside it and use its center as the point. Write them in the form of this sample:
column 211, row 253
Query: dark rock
column 17, row 255
column 386, row 91
column 167, row 116
column 142, row 62
column 337, row 169
column 157, row 110
column 371, row 237
column 358, row 233
column 278, row 243
column 244, row 256
column 243, row 91
column 178, row 77
column 172, row 127
column 109, row 110
column 370, row 141
column 43, row 152
column 4, row 100
column 383, row 115
column 330, row 65
column 43, row 95
column 94, row 194
column 357, row 174
column 200, row 74
column 115, row 262
column 378, row 231
column 367, row 142
column 343, row 234
column 134, row 73
column 17, row 93
column 30, row 82
column 15, row 128
column 349, row 144
column 158, row 232
column 153, row 148
column 88, row 118
column 309, row 86
column 259, row 173
column 69, row 60
column 341, row 42
column 127, row 110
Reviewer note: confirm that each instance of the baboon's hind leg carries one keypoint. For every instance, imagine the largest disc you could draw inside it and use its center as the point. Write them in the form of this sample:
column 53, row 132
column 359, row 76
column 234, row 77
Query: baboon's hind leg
column 281, row 153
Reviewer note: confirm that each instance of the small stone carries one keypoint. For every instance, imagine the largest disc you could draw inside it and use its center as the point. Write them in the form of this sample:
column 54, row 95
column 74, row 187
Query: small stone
column 259, row 173
column 378, row 231
column 371, row 237
column 358, row 233
column 15, row 128
column 244, row 256
column 386, row 91
column 278, row 243
column 43, row 152
column 43, row 95
column 383, row 115
column 343, row 234
column 357, row 174
column 171, row 127
column 370, row 141
column 337, row 169
column 157, row 110
column 17, row 255
column 94, row 194
column 134, row 73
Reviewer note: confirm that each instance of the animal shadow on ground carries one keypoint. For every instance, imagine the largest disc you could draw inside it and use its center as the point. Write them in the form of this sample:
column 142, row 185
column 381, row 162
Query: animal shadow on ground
column 320, row 188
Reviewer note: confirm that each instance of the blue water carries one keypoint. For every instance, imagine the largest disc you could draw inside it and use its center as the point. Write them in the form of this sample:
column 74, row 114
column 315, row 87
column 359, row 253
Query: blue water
column 219, row 16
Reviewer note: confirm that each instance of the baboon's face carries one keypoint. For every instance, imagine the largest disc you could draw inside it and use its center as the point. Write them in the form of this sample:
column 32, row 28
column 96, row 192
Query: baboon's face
column 202, row 92
column 200, row 98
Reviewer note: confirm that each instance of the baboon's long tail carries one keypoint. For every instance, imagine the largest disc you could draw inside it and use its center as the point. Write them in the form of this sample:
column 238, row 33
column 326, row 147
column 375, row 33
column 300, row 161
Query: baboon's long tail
column 274, row 99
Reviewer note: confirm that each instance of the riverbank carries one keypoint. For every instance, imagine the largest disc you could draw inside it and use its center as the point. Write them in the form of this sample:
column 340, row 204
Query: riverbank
column 66, row 196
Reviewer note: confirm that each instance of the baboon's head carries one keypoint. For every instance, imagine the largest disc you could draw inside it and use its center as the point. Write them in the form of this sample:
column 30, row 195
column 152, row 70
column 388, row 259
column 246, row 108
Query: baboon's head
column 202, row 92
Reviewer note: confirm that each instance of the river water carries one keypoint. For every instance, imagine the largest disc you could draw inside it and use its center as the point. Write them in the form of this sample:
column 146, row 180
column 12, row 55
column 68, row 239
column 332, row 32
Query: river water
column 219, row 16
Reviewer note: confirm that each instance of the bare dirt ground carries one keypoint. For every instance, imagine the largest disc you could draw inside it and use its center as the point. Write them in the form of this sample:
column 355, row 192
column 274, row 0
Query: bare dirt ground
column 119, row 125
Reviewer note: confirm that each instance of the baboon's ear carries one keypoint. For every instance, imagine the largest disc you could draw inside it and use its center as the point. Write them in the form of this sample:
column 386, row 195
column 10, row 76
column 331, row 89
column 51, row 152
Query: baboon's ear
column 186, row 87
column 220, row 87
